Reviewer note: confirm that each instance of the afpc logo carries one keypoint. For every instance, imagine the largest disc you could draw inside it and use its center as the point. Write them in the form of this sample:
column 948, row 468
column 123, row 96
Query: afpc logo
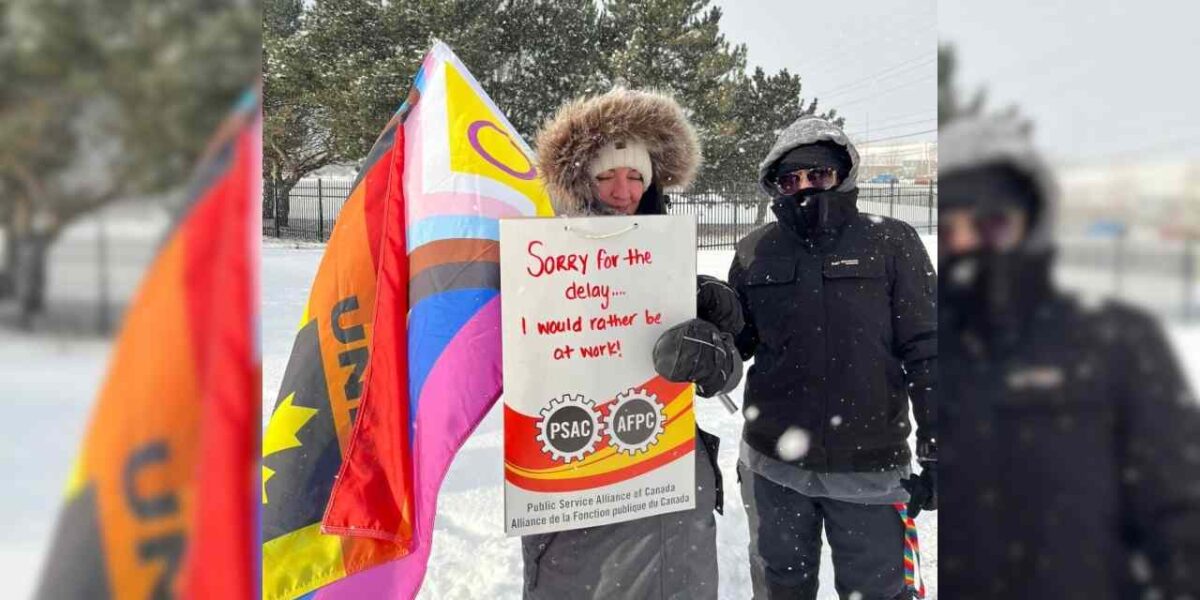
column 569, row 428
column 635, row 422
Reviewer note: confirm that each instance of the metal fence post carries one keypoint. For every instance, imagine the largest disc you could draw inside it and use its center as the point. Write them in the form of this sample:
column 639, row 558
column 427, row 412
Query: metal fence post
column 932, row 226
column 892, row 200
column 320, row 211
column 275, row 205
column 737, row 208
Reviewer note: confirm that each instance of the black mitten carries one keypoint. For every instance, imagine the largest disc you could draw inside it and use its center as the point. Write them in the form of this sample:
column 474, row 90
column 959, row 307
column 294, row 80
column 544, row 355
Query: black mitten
column 699, row 352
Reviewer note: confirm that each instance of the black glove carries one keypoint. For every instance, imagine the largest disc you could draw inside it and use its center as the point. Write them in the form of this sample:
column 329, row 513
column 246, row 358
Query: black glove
column 698, row 351
column 922, row 488
column 718, row 303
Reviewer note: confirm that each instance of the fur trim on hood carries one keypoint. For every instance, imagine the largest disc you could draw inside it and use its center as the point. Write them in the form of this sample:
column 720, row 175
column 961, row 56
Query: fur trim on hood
column 573, row 137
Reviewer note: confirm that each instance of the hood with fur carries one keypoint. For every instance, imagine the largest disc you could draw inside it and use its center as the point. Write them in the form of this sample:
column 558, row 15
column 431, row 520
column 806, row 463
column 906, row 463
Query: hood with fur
column 572, row 138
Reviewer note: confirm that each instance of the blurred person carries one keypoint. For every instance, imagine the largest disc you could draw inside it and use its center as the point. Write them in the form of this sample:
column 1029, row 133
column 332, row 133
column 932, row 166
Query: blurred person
column 612, row 155
column 1071, row 442
column 841, row 322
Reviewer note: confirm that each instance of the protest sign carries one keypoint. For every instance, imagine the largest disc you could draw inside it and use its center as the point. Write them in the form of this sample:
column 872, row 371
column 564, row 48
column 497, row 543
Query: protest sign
column 592, row 434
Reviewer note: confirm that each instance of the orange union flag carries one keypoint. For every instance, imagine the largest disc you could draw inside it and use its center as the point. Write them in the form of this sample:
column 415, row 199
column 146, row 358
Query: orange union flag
column 160, row 500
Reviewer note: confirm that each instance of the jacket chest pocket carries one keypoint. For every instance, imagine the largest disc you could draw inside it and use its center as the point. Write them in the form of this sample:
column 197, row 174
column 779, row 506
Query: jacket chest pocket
column 857, row 281
column 1058, row 419
column 770, row 279
column 1045, row 409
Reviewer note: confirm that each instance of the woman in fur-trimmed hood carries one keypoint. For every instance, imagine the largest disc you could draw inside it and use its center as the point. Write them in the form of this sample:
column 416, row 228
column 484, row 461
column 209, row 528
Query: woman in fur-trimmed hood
column 636, row 130
column 614, row 154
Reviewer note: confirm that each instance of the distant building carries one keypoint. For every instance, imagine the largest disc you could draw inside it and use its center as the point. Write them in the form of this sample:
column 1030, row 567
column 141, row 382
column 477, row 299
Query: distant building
column 1161, row 196
column 908, row 161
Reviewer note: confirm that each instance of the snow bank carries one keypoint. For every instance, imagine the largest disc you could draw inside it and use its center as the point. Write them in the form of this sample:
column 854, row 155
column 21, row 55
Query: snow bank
column 49, row 387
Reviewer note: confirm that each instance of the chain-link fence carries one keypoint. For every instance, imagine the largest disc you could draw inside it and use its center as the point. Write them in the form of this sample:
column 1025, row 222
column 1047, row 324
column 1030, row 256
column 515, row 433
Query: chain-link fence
column 725, row 212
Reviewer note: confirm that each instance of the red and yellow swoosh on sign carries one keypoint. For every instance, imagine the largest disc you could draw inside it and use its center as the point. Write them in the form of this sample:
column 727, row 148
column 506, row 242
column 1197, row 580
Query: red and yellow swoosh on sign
column 526, row 466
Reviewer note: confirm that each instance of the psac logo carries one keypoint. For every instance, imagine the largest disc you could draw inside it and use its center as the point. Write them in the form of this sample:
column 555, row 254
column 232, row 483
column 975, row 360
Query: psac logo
column 571, row 426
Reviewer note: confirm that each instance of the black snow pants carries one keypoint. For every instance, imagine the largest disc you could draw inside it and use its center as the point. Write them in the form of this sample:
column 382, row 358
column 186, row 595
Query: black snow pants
column 785, row 543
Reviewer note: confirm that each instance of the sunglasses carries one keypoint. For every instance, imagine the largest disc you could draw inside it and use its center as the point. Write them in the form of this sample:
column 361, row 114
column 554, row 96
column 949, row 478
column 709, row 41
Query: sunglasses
column 996, row 228
column 818, row 177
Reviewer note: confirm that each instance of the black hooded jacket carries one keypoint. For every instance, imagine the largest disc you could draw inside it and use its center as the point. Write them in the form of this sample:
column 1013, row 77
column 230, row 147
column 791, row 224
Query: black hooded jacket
column 1070, row 451
column 841, row 321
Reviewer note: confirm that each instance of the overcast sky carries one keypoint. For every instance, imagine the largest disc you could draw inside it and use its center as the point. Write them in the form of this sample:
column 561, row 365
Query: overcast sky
column 1102, row 80
column 873, row 60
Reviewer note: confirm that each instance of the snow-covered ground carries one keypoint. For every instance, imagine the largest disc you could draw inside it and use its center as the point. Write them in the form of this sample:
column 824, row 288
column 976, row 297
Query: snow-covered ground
column 1187, row 348
column 49, row 387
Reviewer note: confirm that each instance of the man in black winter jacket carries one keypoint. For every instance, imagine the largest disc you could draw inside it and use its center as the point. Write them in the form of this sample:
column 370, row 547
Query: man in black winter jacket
column 841, row 322
column 1071, row 443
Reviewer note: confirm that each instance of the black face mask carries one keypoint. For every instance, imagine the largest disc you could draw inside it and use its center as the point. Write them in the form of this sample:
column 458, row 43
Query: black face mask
column 814, row 210
column 994, row 292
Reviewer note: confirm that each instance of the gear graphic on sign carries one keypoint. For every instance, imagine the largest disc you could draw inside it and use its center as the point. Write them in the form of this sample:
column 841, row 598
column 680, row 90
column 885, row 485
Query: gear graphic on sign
column 569, row 428
column 635, row 422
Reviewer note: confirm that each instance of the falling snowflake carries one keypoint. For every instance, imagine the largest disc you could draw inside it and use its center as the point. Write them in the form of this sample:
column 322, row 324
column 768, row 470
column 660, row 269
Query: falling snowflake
column 793, row 444
column 751, row 412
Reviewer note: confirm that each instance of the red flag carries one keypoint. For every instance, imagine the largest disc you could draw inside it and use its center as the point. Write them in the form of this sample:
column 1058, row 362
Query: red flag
column 376, row 513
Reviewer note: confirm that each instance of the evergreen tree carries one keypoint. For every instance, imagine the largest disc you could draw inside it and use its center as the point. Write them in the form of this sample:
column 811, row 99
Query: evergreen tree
column 549, row 52
column 344, row 65
column 677, row 46
column 295, row 141
column 350, row 63
column 349, row 58
column 763, row 106
column 104, row 100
